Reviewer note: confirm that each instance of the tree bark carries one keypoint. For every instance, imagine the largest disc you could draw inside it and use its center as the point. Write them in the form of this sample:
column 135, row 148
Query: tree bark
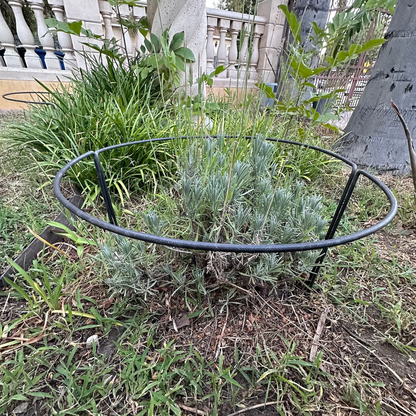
column 374, row 136
column 308, row 11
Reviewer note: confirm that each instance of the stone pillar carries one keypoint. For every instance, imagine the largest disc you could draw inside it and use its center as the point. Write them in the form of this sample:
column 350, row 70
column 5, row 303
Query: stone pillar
column 187, row 16
column 45, row 38
column 212, row 24
column 271, row 41
column 11, row 57
column 233, row 54
column 107, row 13
column 25, row 35
column 244, row 51
column 89, row 12
column 224, row 25
column 138, row 13
column 64, row 38
column 125, row 35
column 258, row 31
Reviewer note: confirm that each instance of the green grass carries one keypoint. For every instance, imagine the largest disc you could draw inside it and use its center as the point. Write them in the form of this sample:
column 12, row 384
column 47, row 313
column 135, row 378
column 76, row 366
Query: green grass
column 24, row 201
column 148, row 372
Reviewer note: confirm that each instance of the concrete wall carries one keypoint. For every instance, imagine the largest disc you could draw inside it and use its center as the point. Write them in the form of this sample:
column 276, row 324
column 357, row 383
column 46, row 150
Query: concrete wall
column 25, row 85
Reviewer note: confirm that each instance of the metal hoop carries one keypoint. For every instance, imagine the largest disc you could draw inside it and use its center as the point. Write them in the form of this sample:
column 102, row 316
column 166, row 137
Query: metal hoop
column 9, row 96
column 323, row 245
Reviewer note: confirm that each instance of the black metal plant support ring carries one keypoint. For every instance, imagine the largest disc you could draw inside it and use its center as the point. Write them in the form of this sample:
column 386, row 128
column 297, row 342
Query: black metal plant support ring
column 323, row 245
column 11, row 96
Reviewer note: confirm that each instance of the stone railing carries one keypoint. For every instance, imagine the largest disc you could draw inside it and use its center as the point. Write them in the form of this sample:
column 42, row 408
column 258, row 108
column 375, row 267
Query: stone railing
column 233, row 40
column 243, row 43
column 21, row 51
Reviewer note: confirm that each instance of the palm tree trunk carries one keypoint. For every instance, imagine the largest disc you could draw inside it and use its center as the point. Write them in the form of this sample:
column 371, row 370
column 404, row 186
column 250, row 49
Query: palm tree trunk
column 374, row 136
column 308, row 11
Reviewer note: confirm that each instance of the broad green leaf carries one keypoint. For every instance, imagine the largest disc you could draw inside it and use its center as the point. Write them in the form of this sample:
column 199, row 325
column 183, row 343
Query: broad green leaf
column 267, row 89
column 195, row 314
column 75, row 26
column 353, row 50
column 293, row 22
column 342, row 56
column 72, row 28
column 18, row 397
column 155, row 41
column 180, row 64
column 177, row 41
column 319, row 70
column 219, row 69
column 300, row 68
column 372, row 44
column 186, row 54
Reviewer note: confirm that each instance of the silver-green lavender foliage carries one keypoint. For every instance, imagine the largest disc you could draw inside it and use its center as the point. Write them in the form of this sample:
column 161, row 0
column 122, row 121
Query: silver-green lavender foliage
column 127, row 264
column 232, row 192
column 250, row 203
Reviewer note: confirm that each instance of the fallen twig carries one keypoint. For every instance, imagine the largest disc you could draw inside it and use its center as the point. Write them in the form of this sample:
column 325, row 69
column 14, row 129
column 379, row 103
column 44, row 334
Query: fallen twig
column 221, row 336
column 318, row 333
column 257, row 406
column 412, row 152
column 403, row 409
column 31, row 340
column 191, row 409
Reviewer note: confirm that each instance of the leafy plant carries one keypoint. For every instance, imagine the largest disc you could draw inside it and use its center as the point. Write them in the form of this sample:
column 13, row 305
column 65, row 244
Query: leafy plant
column 302, row 68
column 72, row 235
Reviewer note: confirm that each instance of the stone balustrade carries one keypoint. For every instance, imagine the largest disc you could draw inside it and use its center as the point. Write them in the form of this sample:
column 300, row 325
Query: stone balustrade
column 237, row 47
column 22, row 50
column 238, row 41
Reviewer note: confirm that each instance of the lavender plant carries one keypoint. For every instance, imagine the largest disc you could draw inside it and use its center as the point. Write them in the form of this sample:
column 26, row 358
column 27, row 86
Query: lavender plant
column 229, row 191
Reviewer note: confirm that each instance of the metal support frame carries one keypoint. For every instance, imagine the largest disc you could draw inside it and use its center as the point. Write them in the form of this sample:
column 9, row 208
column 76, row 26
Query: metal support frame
column 323, row 245
column 10, row 97
column 104, row 189
column 336, row 219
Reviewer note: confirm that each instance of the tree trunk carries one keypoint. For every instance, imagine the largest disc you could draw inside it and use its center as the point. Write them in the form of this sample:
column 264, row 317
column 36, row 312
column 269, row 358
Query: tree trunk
column 308, row 11
column 374, row 136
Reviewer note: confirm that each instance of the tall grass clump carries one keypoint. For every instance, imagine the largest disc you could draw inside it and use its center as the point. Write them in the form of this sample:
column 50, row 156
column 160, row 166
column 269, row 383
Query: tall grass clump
column 112, row 101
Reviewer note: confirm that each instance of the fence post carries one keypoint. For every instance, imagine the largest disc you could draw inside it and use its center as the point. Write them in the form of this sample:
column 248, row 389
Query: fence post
column 270, row 42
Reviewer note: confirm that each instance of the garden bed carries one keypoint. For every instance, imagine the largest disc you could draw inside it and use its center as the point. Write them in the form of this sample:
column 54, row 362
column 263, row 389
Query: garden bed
column 240, row 347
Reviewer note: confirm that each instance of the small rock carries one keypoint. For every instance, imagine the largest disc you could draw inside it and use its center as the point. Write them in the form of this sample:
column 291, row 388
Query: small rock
column 93, row 339
column 22, row 408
